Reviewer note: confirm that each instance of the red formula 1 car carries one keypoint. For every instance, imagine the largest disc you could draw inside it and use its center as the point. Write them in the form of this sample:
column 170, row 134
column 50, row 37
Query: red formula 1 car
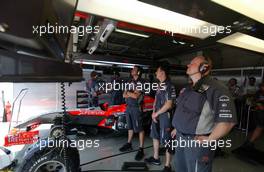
column 111, row 117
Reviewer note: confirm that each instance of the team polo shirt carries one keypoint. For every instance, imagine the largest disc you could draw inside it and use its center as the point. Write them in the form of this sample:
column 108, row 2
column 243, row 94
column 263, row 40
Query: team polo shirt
column 200, row 107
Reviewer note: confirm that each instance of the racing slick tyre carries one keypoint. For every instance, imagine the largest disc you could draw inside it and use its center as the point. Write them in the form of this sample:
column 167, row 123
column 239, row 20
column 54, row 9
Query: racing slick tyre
column 50, row 160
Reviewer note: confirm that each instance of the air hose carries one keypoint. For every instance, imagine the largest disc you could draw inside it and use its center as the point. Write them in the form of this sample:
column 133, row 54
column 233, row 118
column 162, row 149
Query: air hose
column 64, row 137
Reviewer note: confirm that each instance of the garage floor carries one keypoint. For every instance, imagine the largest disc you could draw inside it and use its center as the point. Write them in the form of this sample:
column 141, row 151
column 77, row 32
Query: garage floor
column 110, row 143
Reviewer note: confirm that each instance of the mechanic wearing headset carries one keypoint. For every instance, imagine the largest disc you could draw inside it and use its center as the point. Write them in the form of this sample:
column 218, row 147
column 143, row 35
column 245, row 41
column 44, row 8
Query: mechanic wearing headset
column 134, row 100
column 205, row 113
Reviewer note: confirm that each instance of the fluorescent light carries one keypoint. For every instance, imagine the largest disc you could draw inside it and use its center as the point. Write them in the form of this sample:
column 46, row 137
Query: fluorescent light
column 182, row 43
column 122, row 64
column 106, row 63
column 131, row 33
column 130, row 67
column 178, row 42
column 244, row 41
column 116, row 63
column 147, row 15
column 91, row 63
column 250, row 8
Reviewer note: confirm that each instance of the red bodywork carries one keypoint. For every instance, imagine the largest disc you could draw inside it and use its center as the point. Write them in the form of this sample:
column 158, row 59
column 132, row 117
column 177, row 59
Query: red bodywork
column 21, row 138
column 112, row 110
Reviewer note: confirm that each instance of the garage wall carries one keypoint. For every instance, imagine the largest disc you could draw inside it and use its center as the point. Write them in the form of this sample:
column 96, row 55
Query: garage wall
column 40, row 98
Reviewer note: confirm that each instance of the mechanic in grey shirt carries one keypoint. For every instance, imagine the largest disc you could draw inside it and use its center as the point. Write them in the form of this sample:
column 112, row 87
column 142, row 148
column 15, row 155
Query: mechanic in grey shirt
column 134, row 100
column 161, row 116
column 205, row 113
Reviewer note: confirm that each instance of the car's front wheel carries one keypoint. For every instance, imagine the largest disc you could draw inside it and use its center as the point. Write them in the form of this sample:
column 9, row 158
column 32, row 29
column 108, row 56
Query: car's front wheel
column 51, row 160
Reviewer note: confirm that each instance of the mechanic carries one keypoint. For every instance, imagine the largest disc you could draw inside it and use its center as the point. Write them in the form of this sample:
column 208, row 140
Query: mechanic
column 250, row 88
column 258, row 114
column 134, row 100
column 161, row 117
column 234, row 89
column 205, row 113
column 93, row 89
column 116, row 95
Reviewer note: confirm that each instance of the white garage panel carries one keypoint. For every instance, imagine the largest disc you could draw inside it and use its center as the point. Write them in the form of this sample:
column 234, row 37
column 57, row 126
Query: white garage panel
column 40, row 98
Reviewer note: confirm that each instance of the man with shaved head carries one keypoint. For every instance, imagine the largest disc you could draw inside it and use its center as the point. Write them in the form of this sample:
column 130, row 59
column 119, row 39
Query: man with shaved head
column 205, row 113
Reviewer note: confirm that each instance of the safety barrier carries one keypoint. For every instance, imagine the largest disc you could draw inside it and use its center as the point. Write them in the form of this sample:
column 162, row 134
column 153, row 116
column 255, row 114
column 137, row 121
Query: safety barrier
column 245, row 112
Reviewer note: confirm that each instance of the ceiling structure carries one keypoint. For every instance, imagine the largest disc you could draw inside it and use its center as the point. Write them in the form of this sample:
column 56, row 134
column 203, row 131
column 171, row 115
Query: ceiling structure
column 158, row 44
column 149, row 41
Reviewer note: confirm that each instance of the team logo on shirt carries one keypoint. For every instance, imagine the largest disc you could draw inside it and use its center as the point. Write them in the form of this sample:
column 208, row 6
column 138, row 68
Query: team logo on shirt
column 224, row 98
column 225, row 115
column 224, row 104
column 173, row 92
